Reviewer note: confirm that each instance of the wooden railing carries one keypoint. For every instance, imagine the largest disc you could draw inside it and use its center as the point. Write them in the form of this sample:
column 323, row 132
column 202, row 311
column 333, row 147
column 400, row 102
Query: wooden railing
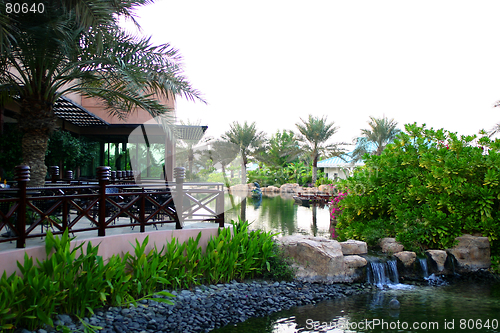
column 27, row 212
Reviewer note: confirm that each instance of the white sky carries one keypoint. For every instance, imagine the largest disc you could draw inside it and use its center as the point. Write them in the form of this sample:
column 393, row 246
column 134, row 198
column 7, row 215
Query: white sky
column 272, row 62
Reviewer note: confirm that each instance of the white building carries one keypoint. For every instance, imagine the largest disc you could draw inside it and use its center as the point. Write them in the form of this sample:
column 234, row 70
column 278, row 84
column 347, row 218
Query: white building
column 339, row 167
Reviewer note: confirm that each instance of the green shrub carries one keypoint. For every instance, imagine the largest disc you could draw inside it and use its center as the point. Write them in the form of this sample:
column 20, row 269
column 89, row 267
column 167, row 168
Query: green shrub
column 281, row 266
column 426, row 188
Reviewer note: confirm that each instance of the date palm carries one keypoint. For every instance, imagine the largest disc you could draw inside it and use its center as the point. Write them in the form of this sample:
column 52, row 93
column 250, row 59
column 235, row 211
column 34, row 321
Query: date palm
column 316, row 132
column 77, row 46
column 382, row 131
column 247, row 139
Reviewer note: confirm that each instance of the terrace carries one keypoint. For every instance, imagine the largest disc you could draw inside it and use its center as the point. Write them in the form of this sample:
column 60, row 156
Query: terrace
column 112, row 206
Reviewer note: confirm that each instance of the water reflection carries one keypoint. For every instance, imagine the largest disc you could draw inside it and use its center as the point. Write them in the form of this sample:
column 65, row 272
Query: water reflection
column 278, row 213
column 438, row 309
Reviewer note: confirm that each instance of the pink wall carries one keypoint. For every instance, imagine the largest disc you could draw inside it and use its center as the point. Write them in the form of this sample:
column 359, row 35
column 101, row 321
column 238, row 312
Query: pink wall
column 109, row 245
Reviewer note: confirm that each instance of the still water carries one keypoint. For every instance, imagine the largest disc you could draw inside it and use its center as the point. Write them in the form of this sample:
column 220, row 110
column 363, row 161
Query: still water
column 279, row 214
column 459, row 307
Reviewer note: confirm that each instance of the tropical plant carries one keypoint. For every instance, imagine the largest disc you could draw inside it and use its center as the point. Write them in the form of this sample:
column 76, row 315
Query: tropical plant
column 77, row 46
column 382, row 131
column 247, row 138
column 69, row 151
column 315, row 134
column 281, row 149
column 425, row 189
column 10, row 150
column 222, row 153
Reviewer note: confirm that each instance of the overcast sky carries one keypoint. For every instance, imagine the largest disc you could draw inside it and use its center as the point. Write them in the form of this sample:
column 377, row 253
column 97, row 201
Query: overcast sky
column 273, row 62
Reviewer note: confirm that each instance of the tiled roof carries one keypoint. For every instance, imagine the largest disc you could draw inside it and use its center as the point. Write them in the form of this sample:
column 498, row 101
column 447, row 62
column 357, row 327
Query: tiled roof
column 345, row 159
column 68, row 110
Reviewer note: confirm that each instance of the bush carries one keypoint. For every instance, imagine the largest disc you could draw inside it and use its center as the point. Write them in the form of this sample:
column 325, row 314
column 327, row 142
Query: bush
column 426, row 189
column 281, row 266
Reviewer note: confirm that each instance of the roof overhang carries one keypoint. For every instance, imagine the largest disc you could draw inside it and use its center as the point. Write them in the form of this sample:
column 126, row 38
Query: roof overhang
column 75, row 114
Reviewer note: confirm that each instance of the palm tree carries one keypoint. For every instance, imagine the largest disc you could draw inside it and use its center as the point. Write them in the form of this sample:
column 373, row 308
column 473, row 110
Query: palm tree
column 247, row 138
column 77, row 46
column 382, row 131
column 279, row 150
column 315, row 133
column 223, row 153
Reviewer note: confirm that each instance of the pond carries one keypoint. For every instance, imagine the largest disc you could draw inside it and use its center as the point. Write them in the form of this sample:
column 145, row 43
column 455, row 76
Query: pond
column 472, row 307
column 279, row 214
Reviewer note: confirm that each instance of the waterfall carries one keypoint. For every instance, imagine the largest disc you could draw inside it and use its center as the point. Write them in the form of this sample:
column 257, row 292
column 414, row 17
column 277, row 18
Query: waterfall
column 383, row 273
column 423, row 265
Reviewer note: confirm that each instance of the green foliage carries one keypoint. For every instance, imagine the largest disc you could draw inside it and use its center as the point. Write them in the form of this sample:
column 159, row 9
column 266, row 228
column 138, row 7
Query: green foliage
column 282, row 148
column 281, row 266
column 426, row 189
column 291, row 173
column 10, row 151
column 70, row 150
column 237, row 254
column 75, row 281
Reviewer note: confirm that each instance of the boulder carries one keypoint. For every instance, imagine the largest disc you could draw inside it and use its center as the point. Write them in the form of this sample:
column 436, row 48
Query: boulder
column 290, row 188
column 352, row 246
column 354, row 267
column 309, row 190
column 240, row 188
column 437, row 260
column 321, row 260
column 327, row 188
column 406, row 258
column 471, row 253
column 270, row 189
column 406, row 263
column 389, row 245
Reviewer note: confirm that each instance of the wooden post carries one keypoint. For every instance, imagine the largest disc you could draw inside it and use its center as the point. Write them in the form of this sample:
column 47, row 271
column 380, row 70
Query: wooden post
column 219, row 207
column 142, row 212
column 103, row 174
column 179, row 174
column 22, row 173
column 54, row 173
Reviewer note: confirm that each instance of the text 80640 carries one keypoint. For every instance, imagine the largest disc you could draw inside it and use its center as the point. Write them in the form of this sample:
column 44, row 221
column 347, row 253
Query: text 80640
column 24, row 8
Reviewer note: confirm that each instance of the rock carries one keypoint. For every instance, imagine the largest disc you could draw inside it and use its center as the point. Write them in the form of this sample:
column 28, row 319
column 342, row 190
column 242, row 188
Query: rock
column 407, row 258
column 406, row 263
column 389, row 245
column 353, row 267
column 437, row 259
column 289, row 188
column 270, row 189
column 352, row 246
column 394, row 304
column 320, row 259
column 240, row 188
column 309, row 190
column 471, row 253
column 327, row 188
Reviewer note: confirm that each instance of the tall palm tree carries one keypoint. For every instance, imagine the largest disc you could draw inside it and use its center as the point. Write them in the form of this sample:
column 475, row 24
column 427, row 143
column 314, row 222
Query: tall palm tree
column 315, row 134
column 382, row 131
column 78, row 46
column 247, row 138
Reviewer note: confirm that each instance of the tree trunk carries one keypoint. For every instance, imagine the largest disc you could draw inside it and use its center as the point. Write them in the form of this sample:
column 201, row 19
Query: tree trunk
column 36, row 121
column 315, row 169
column 244, row 161
column 34, row 145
